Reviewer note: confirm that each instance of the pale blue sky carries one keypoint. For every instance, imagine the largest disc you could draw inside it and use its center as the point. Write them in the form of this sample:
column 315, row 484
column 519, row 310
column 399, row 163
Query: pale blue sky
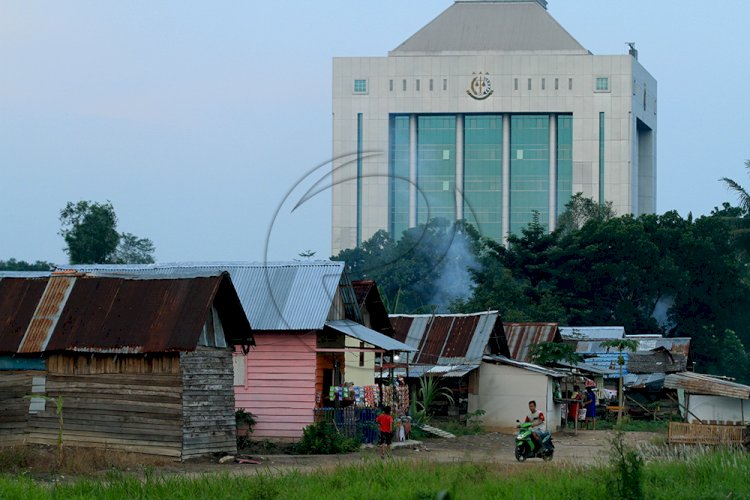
column 197, row 119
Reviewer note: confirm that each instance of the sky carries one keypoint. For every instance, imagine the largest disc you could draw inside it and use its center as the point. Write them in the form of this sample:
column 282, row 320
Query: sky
column 204, row 123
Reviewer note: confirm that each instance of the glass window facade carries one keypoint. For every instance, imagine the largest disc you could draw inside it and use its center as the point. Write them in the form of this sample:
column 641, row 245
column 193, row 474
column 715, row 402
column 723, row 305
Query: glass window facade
column 564, row 161
column 360, row 86
column 399, row 178
column 529, row 170
column 436, row 167
column 602, row 84
column 483, row 173
column 482, row 170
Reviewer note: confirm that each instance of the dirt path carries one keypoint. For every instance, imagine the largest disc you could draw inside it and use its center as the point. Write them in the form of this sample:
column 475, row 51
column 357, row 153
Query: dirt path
column 585, row 447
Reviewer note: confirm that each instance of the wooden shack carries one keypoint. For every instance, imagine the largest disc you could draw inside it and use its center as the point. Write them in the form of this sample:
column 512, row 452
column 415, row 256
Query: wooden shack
column 139, row 365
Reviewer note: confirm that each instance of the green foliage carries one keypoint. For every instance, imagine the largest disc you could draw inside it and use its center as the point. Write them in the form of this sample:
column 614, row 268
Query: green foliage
column 245, row 423
column 546, row 353
column 711, row 475
column 742, row 194
column 322, row 438
column 580, row 210
column 244, row 418
column 89, row 230
column 417, row 273
column 22, row 265
column 627, row 466
column 620, row 345
column 90, row 233
column 133, row 250
column 429, row 391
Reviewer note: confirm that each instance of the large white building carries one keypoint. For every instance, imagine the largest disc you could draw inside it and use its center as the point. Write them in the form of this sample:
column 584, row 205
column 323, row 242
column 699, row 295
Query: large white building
column 489, row 113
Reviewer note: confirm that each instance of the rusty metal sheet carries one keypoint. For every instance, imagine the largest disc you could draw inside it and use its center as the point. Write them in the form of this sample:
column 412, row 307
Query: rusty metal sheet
column 116, row 314
column 461, row 335
column 19, row 298
column 47, row 314
column 362, row 290
column 449, row 339
column 521, row 336
column 434, row 339
column 401, row 325
column 153, row 315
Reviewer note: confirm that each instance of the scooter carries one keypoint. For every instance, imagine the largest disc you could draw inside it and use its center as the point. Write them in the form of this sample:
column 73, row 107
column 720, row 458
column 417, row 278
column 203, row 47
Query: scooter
column 527, row 448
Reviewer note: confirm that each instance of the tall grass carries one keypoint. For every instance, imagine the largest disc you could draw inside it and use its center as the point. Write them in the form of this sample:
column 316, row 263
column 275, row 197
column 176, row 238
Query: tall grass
column 703, row 475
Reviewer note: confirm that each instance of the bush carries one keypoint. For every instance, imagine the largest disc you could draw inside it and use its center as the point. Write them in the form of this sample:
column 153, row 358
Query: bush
column 322, row 438
column 245, row 423
column 627, row 466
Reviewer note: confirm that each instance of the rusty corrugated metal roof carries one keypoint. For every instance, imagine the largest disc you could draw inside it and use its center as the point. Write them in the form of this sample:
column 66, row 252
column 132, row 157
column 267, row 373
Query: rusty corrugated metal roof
column 368, row 297
column 521, row 336
column 275, row 295
column 362, row 290
column 401, row 326
column 47, row 314
column 19, row 298
column 450, row 339
column 699, row 383
column 122, row 315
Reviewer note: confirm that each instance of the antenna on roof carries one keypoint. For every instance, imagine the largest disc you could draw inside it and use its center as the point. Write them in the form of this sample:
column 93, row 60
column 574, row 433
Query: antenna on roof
column 632, row 50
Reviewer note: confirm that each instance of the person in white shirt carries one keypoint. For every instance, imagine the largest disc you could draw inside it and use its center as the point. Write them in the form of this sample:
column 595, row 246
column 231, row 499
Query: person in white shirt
column 537, row 423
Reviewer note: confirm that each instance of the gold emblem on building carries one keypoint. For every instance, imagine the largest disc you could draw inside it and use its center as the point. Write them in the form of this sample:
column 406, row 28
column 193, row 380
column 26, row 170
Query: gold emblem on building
column 480, row 86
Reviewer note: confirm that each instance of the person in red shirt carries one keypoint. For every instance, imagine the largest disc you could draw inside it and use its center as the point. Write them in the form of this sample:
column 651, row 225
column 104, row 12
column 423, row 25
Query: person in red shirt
column 385, row 426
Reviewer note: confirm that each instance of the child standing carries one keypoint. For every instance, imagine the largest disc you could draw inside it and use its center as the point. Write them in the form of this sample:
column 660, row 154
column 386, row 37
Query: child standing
column 385, row 424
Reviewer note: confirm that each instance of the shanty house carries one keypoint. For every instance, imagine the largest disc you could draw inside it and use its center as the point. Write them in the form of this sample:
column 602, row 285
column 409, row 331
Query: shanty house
column 505, row 387
column 708, row 399
column 301, row 314
column 470, row 353
column 359, row 364
column 140, row 365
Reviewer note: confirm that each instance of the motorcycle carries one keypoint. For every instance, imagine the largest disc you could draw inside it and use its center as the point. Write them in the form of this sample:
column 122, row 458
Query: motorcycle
column 527, row 448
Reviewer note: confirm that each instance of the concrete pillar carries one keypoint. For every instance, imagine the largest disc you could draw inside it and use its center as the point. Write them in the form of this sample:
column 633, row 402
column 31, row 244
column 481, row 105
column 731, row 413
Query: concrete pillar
column 506, row 178
column 412, row 170
column 552, row 172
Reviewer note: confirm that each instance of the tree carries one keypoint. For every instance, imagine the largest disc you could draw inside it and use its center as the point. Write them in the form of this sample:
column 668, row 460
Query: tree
column 424, row 271
column 743, row 195
column 133, row 250
column 90, row 232
column 22, row 265
column 580, row 210
column 620, row 345
column 741, row 230
column 546, row 353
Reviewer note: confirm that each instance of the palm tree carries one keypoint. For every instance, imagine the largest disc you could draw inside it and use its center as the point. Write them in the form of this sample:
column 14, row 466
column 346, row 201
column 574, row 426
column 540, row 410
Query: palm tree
column 620, row 345
column 742, row 233
column 744, row 197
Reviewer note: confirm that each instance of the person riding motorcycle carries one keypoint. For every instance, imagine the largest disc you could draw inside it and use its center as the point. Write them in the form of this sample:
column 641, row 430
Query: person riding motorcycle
column 537, row 423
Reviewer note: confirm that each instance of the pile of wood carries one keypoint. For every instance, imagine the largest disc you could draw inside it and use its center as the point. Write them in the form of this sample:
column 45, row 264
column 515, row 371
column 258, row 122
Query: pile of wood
column 706, row 434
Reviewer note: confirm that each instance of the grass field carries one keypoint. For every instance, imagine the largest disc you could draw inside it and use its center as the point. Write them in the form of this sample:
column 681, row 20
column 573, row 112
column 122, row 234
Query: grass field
column 688, row 475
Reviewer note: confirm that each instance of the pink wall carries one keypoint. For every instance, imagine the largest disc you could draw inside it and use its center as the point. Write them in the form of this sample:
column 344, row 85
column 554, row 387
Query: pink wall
column 280, row 386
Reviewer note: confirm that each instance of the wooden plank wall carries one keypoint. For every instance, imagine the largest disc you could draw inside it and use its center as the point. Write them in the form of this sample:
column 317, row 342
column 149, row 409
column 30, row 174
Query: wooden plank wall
column 280, row 385
column 129, row 403
column 209, row 425
column 14, row 406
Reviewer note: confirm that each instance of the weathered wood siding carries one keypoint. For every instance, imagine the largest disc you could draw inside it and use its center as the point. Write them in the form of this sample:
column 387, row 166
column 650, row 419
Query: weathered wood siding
column 280, row 384
column 14, row 406
column 129, row 403
column 208, row 402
